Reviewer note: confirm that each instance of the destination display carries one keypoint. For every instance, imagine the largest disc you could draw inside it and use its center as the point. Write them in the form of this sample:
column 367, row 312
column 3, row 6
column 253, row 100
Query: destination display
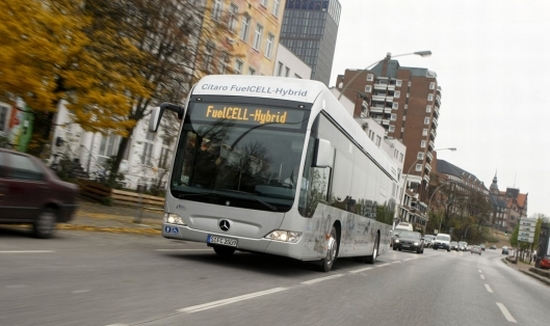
column 247, row 114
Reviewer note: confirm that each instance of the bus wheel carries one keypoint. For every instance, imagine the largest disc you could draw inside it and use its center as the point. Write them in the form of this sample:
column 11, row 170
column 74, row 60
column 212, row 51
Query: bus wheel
column 224, row 251
column 332, row 251
column 372, row 259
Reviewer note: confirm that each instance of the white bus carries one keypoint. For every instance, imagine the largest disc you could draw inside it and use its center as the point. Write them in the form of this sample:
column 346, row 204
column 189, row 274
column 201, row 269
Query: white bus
column 277, row 166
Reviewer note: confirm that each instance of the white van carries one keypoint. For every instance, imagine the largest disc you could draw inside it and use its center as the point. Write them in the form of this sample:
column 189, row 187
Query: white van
column 404, row 226
column 442, row 241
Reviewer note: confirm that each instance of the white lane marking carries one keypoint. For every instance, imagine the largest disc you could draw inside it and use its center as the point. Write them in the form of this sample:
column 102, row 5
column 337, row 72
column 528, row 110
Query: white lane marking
column 479, row 270
column 26, row 251
column 80, row 291
column 488, row 288
column 117, row 325
column 223, row 302
column 482, row 277
column 386, row 264
column 409, row 259
column 506, row 313
column 321, row 279
column 360, row 270
column 175, row 249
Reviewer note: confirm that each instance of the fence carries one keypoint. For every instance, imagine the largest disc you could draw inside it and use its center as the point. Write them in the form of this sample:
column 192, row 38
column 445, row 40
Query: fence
column 99, row 192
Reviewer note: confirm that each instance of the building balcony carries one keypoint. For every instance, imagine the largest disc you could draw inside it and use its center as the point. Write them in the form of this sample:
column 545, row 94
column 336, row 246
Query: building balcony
column 387, row 110
column 380, row 98
column 365, row 105
column 380, row 87
column 430, row 156
column 434, row 123
column 386, row 122
column 433, row 134
column 436, row 111
column 376, row 109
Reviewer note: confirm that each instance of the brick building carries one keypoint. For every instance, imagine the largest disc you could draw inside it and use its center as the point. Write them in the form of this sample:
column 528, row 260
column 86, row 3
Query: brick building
column 406, row 101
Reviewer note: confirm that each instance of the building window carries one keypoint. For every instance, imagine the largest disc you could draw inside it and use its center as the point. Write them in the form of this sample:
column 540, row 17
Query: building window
column 165, row 153
column 430, row 97
column 370, row 77
column 147, row 149
column 420, row 156
column 393, row 117
column 401, row 157
column 395, row 106
column 406, row 106
column 428, row 109
column 424, row 132
column 251, row 71
column 109, row 145
column 216, row 10
column 391, row 128
column 269, row 45
column 208, row 55
column 426, row 120
column 287, row 71
column 3, row 117
column 398, row 83
column 224, row 61
column 432, row 85
column 279, row 69
column 258, row 37
column 418, row 167
column 239, row 67
column 275, row 9
column 368, row 89
column 263, row 3
column 232, row 21
column 245, row 27
column 423, row 144
column 378, row 140
column 297, row 76
column 396, row 94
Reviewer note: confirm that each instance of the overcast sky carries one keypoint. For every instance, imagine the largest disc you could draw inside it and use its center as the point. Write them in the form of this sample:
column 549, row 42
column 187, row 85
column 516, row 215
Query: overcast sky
column 492, row 60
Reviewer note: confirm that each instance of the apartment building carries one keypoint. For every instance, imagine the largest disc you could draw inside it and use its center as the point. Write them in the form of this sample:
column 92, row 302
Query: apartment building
column 406, row 101
column 309, row 30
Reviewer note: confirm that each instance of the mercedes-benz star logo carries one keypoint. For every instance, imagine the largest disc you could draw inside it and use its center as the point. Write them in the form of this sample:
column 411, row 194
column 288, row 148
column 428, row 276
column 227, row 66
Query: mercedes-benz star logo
column 224, row 225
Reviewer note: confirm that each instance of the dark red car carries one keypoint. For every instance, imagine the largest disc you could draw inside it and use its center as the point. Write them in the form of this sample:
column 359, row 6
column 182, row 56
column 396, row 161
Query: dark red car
column 30, row 192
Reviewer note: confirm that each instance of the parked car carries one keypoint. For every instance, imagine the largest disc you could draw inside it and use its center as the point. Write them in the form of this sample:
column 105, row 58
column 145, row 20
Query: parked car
column 476, row 250
column 482, row 246
column 31, row 193
column 505, row 250
column 429, row 240
column 409, row 240
column 442, row 241
column 493, row 247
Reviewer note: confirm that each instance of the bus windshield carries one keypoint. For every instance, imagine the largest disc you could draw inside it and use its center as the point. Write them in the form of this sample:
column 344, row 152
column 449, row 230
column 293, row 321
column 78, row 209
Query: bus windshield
column 239, row 155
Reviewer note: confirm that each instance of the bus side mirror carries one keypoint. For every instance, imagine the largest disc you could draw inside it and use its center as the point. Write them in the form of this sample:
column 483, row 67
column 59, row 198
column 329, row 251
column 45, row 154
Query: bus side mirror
column 325, row 154
column 157, row 112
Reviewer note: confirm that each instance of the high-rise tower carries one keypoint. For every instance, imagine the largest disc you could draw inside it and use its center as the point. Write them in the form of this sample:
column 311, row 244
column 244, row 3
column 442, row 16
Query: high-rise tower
column 309, row 30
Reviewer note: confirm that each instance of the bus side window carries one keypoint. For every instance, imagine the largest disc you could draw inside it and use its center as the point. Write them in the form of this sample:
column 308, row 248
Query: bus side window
column 319, row 189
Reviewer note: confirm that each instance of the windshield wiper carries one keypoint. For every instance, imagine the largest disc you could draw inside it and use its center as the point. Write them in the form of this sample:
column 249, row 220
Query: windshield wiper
column 251, row 196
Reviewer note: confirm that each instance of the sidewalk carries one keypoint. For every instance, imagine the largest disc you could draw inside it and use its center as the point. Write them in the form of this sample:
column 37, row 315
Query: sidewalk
column 529, row 269
column 92, row 216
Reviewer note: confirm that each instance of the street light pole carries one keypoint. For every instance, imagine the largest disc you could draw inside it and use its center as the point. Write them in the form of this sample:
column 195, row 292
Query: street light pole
column 387, row 57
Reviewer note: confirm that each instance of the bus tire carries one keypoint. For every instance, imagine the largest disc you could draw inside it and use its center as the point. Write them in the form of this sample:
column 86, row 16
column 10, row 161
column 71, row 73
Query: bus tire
column 372, row 259
column 332, row 251
column 224, row 251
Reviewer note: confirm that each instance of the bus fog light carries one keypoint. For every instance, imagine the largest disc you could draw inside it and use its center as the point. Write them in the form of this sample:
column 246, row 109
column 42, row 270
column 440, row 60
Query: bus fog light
column 173, row 219
column 284, row 236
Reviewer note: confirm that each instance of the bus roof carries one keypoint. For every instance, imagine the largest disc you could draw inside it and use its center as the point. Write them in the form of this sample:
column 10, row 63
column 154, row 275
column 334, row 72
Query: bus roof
column 291, row 89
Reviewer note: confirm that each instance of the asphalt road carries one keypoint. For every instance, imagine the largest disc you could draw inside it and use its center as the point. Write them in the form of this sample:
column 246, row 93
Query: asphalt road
column 91, row 278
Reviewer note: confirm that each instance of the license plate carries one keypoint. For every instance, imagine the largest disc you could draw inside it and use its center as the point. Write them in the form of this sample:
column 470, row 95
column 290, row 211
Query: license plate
column 214, row 239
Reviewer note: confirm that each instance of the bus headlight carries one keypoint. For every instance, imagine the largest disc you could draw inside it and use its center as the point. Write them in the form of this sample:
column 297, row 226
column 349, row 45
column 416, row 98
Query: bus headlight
column 173, row 219
column 416, row 243
column 284, row 236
